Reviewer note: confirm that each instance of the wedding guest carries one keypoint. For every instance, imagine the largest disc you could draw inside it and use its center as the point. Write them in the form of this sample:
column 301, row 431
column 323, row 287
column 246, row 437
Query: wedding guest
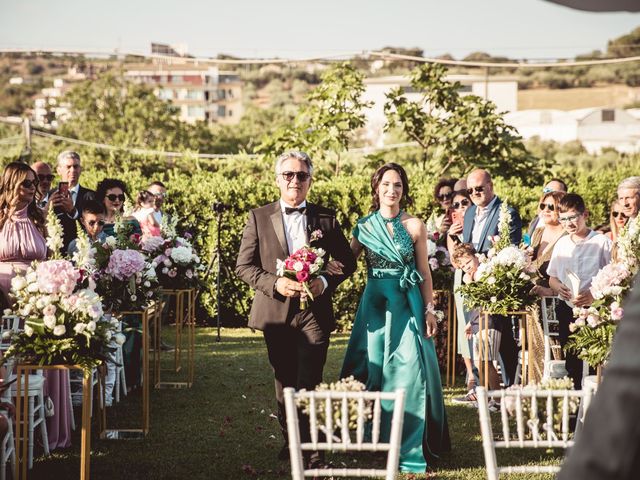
column 22, row 240
column 45, row 177
column 112, row 193
column 145, row 213
column 159, row 191
column 93, row 222
column 391, row 344
column 580, row 253
column 461, row 201
column 543, row 241
column 480, row 225
column 443, row 194
column 553, row 185
column 617, row 220
column 629, row 196
column 68, row 202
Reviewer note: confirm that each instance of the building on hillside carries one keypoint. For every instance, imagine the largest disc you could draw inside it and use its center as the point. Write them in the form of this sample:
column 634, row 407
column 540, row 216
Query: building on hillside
column 200, row 92
column 595, row 128
column 501, row 90
column 49, row 109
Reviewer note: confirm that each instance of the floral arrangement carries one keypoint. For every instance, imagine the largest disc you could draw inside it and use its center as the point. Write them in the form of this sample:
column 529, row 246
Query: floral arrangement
column 504, row 278
column 348, row 384
column 441, row 269
column 628, row 244
column 55, row 240
column 541, row 431
column 595, row 326
column 303, row 265
column 64, row 321
column 176, row 262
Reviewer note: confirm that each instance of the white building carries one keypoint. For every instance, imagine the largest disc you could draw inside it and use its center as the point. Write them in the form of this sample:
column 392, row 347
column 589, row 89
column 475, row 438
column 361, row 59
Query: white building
column 501, row 90
column 595, row 128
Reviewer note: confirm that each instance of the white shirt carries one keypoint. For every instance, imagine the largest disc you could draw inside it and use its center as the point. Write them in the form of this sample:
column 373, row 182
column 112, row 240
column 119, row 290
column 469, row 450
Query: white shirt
column 74, row 195
column 584, row 258
column 479, row 221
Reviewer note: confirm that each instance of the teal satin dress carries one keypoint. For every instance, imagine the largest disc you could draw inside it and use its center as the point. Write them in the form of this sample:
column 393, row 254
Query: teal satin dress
column 387, row 349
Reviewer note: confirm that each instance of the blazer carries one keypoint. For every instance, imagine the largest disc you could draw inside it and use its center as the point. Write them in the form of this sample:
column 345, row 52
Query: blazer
column 69, row 225
column 491, row 226
column 264, row 242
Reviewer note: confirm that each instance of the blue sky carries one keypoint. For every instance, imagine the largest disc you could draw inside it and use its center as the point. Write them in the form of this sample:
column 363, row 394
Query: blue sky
column 301, row 28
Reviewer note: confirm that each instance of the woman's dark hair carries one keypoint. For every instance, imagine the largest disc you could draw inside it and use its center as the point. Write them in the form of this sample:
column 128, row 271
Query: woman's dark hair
column 443, row 182
column 12, row 176
column 377, row 178
column 463, row 193
column 106, row 185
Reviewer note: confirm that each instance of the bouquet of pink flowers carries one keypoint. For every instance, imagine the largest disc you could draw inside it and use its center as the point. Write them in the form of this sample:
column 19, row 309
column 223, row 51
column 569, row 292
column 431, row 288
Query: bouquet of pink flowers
column 303, row 265
column 441, row 269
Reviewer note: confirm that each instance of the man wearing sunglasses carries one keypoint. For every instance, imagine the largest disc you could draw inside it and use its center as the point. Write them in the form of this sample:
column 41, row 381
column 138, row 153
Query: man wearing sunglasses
column 45, row 177
column 68, row 203
column 297, row 340
column 92, row 221
column 553, row 185
column 480, row 225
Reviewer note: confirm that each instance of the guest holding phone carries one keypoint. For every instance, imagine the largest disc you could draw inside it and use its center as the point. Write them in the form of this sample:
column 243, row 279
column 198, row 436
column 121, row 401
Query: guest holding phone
column 69, row 198
column 443, row 194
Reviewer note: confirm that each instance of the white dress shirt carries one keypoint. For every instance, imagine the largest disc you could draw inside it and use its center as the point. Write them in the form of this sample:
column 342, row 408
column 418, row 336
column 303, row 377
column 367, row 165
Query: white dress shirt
column 74, row 196
column 479, row 221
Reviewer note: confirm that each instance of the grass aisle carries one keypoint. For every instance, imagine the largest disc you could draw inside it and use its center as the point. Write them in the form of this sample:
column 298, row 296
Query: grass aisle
column 223, row 428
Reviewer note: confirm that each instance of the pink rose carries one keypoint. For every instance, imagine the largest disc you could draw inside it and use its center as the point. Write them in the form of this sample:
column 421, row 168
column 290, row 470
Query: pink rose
column 617, row 313
column 302, row 276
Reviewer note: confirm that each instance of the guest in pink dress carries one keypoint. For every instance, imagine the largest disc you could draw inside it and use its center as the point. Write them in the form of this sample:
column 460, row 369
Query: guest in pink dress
column 22, row 240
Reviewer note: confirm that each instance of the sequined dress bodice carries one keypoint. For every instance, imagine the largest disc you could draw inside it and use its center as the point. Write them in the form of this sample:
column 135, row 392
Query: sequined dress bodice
column 402, row 241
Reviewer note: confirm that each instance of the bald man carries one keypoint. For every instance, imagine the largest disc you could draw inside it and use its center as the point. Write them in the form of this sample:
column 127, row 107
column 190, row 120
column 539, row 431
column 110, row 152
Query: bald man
column 480, row 224
column 45, row 177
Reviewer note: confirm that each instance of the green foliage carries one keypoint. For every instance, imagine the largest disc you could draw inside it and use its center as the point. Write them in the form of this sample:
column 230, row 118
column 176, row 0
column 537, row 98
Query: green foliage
column 593, row 345
column 458, row 133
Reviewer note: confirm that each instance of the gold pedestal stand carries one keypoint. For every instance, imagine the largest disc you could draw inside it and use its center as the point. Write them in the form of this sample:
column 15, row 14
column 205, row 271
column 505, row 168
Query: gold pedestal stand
column 525, row 343
column 185, row 316
column 147, row 315
column 22, row 418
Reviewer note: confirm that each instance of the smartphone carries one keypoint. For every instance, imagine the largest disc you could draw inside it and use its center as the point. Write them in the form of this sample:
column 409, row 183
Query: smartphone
column 63, row 188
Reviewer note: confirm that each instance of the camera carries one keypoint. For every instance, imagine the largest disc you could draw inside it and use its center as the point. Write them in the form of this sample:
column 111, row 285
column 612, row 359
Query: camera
column 220, row 207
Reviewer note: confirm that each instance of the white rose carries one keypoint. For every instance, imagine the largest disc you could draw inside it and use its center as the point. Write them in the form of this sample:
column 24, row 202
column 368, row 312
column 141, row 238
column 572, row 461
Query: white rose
column 147, row 284
column 18, row 283
column 110, row 241
column 491, row 280
column 91, row 326
column 165, row 270
column 33, row 288
column 298, row 266
column 134, row 298
column 79, row 327
column 59, row 330
column 28, row 330
column 49, row 321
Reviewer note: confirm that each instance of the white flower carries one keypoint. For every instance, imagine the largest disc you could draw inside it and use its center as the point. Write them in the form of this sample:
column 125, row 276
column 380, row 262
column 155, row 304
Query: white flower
column 165, row 270
column 33, row 288
column 110, row 241
column 91, row 326
column 147, row 284
column 18, row 283
column 182, row 255
column 107, row 335
column 28, row 330
column 134, row 298
column 298, row 266
column 313, row 268
column 120, row 338
column 79, row 327
column 167, row 262
column 431, row 248
column 320, row 252
column 49, row 321
column 59, row 330
column 494, row 299
column 280, row 267
column 491, row 280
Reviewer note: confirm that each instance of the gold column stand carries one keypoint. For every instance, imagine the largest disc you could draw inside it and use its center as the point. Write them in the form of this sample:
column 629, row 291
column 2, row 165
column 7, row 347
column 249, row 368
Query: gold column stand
column 22, row 418
column 452, row 334
column 146, row 315
column 185, row 316
column 525, row 344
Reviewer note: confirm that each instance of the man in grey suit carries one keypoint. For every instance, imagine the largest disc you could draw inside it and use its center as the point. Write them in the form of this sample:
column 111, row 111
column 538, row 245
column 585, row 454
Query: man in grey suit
column 297, row 340
column 608, row 447
column 480, row 224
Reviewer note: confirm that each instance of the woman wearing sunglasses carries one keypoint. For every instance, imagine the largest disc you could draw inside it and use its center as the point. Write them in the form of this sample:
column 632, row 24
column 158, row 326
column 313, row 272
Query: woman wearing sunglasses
column 617, row 220
column 113, row 193
column 544, row 238
column 443, row 194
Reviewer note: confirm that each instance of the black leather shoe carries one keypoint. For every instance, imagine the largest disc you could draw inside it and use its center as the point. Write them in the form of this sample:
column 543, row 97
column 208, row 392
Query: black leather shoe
column 283, row 454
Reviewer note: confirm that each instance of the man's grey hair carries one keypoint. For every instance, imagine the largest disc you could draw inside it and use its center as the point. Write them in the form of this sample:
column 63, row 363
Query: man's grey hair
column 298, row 155
column 630, row 182
column 68, row 154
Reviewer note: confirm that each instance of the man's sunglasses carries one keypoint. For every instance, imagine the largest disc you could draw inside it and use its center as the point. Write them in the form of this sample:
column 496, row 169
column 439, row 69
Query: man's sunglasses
column 461, row 203
column 478, row 189
column 29, row 183
column 113, row 197
column 45, row 178
column 301, row 176
column 445, row 196
column 92, row 223
column 615, row 215
column 549, row 206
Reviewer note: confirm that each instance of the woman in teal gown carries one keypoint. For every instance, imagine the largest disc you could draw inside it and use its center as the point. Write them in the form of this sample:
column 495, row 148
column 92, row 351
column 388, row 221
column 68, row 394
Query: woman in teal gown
column 391, row 344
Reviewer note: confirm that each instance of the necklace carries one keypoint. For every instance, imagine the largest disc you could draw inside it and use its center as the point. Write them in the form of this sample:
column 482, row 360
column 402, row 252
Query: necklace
column 389, row 220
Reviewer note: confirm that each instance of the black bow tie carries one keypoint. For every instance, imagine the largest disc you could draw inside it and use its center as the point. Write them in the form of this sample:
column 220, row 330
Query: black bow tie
column 290, row 210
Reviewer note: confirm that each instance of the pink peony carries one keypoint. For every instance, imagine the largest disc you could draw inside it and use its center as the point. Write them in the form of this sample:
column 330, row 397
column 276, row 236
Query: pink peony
column 302, row 276
column 57, row 276
column 125, row 263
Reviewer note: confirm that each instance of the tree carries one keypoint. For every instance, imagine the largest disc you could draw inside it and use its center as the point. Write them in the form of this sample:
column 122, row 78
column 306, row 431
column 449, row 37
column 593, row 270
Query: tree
column 327, row 118
column 457, row 133
column 626, row 45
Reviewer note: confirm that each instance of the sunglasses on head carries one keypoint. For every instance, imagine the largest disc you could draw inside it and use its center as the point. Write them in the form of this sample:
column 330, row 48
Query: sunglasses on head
column 113, row 197
column 461, row 203
column 45, row 178
column 92, row 223
column 615, row 215
column 445, row 196
column 478, row 189
column 29, row 183
column 301, row 176
column 550, row 206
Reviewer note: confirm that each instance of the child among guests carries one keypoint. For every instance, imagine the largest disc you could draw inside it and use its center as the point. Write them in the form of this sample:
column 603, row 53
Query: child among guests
column 464, row 255
column 144, row 213
column 575, row 260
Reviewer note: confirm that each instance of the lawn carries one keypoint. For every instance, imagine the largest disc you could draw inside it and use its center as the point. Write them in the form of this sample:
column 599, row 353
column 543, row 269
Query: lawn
column 223, row 428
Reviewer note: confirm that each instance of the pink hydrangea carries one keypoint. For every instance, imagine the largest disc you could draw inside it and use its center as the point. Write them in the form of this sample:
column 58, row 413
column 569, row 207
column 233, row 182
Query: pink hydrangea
column 125, row 263
column 57, row 276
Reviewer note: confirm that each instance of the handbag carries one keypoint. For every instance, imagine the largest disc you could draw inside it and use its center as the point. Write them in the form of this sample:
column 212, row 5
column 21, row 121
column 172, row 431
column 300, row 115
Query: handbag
column 49, row 407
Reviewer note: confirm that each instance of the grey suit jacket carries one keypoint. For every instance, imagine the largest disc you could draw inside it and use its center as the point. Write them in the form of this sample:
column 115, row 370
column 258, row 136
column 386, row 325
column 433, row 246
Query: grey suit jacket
column 264, row 242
